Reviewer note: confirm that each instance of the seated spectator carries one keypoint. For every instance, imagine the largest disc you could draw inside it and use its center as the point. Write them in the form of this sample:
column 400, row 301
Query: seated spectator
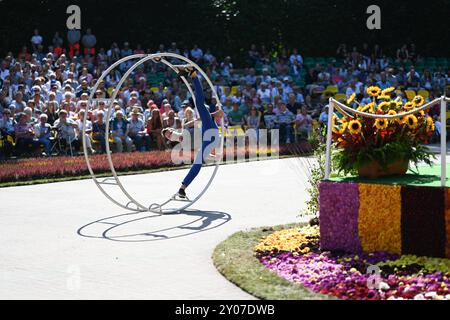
column 7, row 124
column 285, row 120
column 304, row 122
column 171, row 121
column 18, row 105
column 235, row 116
column 99, row 131
column 269, row 118
column 31, row 119
column 67, row 131
column 80, row 123
column 120, row 134
column 43, row 133
column 136, row 131
column 24, row 135
column 254, row 119
column 154, row 128
column 182, row 113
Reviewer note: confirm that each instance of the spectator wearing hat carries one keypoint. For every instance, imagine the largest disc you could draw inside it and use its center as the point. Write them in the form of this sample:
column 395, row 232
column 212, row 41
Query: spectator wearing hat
column 182, row 113
column 43, row 133
column 137, row 132
column 119, row 132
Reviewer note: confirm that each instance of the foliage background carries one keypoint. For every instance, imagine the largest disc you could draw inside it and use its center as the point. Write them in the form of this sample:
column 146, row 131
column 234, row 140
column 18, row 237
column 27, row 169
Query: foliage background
column 229, row 26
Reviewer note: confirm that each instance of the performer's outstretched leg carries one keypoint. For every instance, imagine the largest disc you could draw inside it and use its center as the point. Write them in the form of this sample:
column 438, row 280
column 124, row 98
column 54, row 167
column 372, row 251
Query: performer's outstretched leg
column 208, row 123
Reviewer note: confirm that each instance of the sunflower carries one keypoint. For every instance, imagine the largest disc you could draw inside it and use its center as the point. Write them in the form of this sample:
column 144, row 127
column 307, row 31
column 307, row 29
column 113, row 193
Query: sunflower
column 388, row 91
column 418, row 101
column 411, row 121
column 384, row 97
column 351, row 99
column 384, row 105
column 400, row 121
column 355, row 127
column 408, row 106
column 392, row 113
column 373, row 91
column 343, row 128
column 381, row 124
column 422, row 113
column 394, row 104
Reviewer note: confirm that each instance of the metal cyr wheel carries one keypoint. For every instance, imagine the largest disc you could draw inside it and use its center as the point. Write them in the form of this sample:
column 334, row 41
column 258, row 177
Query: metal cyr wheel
column 114, row 182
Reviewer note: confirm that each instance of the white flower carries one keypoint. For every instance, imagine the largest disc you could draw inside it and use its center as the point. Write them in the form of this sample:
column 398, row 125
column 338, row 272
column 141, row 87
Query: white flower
column 383, row 286
column 419, row 297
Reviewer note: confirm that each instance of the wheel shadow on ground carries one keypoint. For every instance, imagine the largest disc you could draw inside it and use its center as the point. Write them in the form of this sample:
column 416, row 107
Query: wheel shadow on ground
column 147, row 227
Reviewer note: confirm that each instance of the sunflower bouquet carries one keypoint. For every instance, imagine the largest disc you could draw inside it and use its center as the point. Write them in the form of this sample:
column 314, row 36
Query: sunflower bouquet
column 362, row 142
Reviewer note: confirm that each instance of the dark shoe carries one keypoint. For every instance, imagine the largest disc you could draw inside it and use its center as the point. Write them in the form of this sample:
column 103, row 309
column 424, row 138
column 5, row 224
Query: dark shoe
column 182, row 193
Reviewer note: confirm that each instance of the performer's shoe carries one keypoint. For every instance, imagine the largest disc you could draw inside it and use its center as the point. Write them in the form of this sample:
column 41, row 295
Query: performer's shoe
column 182, row 194
column 186, row 71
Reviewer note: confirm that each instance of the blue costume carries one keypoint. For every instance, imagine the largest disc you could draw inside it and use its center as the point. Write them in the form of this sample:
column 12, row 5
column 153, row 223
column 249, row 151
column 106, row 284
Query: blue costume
column 208, row 123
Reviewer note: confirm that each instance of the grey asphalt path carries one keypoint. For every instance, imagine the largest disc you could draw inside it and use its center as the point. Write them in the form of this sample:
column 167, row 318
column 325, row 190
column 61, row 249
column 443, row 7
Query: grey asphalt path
column 67, row 241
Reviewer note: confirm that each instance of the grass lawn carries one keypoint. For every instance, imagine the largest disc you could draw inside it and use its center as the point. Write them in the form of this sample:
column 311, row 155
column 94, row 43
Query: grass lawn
column 235, row 259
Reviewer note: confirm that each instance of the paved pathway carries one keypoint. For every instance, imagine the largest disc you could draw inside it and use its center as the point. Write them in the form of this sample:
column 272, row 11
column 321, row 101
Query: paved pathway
column 66, row 241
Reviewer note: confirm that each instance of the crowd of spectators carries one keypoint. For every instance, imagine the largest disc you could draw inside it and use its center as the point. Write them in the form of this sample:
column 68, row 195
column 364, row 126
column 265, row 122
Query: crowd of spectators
column 44, row 94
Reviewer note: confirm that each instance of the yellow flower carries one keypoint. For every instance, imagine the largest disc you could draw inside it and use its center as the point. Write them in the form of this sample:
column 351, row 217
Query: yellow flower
column 381, row 124
column 422, row 113
column 388, row 91
column 395, row 104
column 418, row 101
column 343, row 128
column 384, row 97
column 373, row 91
column 355, row 127
column 408, row 106
column 384, row 105
column 351, row 99
column 411, row 121
column 392, row 113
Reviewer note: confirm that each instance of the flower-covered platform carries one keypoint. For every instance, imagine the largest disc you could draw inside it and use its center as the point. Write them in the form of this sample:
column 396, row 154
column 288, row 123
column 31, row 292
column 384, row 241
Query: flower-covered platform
column 295, row 255
column 407, row 214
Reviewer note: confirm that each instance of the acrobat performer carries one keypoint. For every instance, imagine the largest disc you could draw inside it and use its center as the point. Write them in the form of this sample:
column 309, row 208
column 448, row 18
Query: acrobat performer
column 208, row 121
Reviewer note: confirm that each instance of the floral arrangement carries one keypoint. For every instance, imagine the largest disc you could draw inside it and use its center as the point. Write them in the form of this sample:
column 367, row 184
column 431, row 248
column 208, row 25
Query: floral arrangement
column 361, row 140
column 407, row 219
column 295, row 256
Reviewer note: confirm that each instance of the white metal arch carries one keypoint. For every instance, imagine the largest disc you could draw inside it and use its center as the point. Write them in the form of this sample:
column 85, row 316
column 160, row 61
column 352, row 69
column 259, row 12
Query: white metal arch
column 115, row 181
column 334, row 104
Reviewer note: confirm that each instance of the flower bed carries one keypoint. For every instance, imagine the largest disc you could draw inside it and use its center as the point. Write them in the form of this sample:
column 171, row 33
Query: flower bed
column 295, row 256
column 61, row 167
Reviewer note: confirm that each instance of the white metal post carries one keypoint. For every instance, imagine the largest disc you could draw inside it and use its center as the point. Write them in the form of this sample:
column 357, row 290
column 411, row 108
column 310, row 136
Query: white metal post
column 443, row 141
column 329, row 133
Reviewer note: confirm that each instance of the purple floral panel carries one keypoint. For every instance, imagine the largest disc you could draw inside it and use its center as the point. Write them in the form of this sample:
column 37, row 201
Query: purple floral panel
column 339, row 210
